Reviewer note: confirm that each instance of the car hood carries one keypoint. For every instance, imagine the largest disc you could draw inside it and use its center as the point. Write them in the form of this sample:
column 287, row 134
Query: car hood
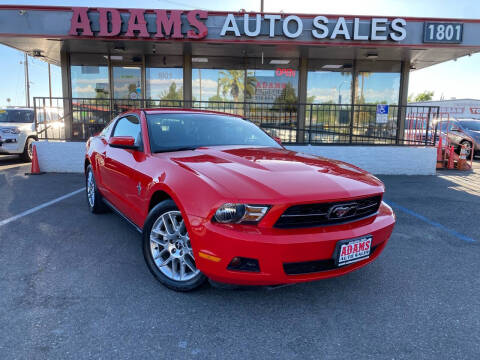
column 273, row 175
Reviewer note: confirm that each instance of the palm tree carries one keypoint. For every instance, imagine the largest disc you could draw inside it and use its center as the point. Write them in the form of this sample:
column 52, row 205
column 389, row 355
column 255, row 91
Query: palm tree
column 361, row 96
column 232, row 83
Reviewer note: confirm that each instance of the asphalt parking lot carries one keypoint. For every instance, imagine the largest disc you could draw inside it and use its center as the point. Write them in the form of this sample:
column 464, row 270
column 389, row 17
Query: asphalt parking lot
column 74, row 285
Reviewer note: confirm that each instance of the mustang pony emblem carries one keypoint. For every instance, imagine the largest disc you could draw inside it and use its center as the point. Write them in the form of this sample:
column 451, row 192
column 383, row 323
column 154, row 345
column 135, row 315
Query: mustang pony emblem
column 341, row 211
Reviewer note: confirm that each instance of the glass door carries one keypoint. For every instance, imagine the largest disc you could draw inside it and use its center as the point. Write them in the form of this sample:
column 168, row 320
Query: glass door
column 127, row 82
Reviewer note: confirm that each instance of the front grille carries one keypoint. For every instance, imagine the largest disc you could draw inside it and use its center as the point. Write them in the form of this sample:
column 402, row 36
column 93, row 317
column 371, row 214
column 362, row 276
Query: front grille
column 319, row 214
column 308, row 267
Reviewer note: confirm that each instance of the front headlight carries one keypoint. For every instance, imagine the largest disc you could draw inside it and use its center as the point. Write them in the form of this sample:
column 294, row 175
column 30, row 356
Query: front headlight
column 240, row 213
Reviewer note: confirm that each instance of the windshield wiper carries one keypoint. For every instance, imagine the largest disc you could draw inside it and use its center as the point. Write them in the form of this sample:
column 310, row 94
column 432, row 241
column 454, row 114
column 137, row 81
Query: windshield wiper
column 183, row 148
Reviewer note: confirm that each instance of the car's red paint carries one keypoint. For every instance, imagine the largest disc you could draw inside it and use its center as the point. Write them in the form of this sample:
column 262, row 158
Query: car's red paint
column 201, row 180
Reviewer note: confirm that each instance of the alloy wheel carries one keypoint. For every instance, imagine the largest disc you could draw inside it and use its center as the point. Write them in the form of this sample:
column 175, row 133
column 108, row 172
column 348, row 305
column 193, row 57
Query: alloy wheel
column 30, row 149
column 468, row 148
column 91, row 189
column 171, row 248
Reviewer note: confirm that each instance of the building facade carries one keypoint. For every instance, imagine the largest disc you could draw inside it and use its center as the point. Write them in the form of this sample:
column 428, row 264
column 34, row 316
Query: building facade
column 308, row 78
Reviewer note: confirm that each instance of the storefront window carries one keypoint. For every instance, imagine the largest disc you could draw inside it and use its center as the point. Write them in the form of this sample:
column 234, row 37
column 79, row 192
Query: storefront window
column 218, row 85
column 329, row 87
column 127, row 82
column 89, row 81
column 272, row 86
column 377, row 88
column 164, row 83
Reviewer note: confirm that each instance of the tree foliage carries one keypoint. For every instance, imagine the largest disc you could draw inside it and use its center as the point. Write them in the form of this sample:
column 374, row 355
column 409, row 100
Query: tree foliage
column 172, row 93
column 424, row 96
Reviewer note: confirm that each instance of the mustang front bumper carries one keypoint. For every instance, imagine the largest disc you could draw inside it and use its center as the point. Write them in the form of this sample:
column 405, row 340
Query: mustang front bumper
column 309, row 251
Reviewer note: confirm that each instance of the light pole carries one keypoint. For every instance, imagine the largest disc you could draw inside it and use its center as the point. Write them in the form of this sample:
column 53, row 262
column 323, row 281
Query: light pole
column 261, row 6
column 27, row 82
column 339, row 88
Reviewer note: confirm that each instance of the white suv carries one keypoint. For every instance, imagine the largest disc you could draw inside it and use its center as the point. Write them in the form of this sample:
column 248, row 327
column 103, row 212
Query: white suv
column 17, row 132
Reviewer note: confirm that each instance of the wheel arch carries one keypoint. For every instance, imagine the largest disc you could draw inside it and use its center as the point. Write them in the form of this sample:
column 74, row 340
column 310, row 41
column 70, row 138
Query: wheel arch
column 157, row 197
column 86, row 163
column 162, row 192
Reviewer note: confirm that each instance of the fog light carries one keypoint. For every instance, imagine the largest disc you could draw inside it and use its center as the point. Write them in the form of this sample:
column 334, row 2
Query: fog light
column 244, row 264
column 236, row 261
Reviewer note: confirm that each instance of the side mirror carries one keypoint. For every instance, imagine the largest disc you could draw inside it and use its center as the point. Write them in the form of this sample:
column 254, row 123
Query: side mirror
column 457, row 129
column 122, row 142
column 277, row 139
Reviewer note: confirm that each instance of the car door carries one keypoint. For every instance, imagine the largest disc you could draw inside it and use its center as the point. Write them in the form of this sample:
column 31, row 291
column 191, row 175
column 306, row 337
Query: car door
column 119, row 174
column 455, row 134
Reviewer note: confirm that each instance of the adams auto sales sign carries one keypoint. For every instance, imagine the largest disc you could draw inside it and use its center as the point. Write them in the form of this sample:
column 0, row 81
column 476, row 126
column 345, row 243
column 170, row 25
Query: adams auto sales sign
column 198, row 25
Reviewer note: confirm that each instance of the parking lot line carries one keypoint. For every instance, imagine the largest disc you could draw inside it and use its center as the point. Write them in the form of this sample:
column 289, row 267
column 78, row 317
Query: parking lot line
column 39, row 207
column 431, row 222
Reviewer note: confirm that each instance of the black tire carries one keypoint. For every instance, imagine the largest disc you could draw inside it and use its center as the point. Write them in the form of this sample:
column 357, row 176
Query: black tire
column 97, row 206
column 27, row 151
column 182, row 286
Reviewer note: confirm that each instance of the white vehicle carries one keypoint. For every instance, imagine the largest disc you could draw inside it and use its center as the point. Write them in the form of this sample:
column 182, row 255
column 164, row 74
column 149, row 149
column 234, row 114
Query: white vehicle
column 17, row 132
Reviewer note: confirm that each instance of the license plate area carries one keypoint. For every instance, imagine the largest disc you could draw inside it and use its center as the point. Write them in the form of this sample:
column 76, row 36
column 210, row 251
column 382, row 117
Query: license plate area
column 352, row 250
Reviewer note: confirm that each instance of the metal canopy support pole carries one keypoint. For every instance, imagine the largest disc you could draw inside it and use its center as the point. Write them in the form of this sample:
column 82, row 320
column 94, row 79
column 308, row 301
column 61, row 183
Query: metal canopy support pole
column 353, row 100
column 187, row 80
column 110, row 88
column 302, row 99
column 50, row 84
column 144, row 82
column 402, row 101
column 27, row 82
column 66, row 93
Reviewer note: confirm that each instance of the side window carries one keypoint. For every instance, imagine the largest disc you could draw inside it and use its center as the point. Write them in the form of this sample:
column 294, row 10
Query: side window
column 128, row 126
column 27, row 116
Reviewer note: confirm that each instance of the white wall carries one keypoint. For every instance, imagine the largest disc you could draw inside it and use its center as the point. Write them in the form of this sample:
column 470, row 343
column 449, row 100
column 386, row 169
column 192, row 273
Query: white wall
column 382, row 160
column 63, row 157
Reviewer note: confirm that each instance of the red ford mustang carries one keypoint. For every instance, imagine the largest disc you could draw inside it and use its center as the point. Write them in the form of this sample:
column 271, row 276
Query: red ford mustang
column 214, row 196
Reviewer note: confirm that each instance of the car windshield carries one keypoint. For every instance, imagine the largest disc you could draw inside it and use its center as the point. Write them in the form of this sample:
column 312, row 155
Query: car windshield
column 16, row 116
column 182, row 131
column 471, row 124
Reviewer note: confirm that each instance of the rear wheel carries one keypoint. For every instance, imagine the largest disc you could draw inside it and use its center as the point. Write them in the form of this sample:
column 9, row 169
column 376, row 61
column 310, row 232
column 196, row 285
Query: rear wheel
column 28, row 150
column 468, row 147
column 167, row 249
column 94, row 198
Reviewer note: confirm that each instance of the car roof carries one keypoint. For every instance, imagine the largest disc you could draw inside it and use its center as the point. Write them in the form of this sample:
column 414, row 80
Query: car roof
column 187, row 111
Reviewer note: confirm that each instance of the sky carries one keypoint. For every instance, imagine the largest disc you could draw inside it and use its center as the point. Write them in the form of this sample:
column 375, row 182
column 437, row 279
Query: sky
column 453, row 79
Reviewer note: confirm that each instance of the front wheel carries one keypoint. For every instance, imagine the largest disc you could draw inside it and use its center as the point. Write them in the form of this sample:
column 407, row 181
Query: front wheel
column 167, row 249
column 94, row 198
column 28, row 150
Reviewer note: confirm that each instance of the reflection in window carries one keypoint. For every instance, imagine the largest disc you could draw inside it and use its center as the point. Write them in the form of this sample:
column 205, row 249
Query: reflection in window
column 272, row 86
column 89, row 81
column 377, row 88
column 164, row 83
column 127, row 82
column 329, row 87
column 218, row 85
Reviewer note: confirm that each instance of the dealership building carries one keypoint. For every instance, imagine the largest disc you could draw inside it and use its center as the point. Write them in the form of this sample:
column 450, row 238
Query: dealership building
column 311, row 79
